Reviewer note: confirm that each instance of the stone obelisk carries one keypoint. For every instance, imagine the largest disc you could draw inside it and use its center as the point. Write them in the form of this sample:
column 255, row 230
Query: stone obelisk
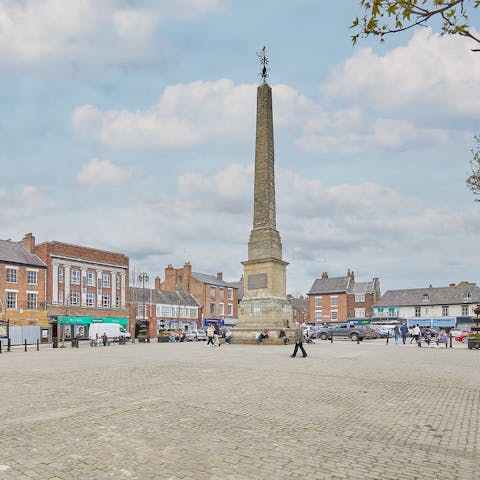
column 264, row 303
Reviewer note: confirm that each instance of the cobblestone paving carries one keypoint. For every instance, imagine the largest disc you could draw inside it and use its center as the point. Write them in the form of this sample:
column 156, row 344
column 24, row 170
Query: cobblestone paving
column 187, row 411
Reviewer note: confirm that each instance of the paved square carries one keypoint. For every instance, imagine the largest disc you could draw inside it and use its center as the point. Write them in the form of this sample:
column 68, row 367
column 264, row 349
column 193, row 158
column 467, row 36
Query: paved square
column 187, row 411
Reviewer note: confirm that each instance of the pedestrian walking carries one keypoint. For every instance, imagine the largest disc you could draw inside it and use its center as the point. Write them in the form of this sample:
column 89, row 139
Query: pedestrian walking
column 104, row 339
column 210, row 335
column 396, row 333
column 404, row 333
column 416, row 335
column 298, row 341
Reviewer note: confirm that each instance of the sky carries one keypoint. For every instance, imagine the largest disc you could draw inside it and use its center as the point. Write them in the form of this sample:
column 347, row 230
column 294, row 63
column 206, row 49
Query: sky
column 129, row 125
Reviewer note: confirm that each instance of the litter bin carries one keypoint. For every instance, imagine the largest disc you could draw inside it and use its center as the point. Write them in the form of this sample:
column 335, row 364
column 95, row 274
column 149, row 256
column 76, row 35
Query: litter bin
column 55, row 342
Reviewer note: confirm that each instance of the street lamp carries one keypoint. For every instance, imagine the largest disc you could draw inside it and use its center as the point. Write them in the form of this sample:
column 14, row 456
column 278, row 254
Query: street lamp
column 143, row 277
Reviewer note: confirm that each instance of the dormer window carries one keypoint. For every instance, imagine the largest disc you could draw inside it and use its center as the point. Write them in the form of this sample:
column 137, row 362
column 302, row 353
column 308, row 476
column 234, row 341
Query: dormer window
column 426, row 298
column 467, row 296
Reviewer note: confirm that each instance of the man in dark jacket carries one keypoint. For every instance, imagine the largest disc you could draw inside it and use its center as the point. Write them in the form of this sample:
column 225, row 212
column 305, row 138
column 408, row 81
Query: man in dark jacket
column 404, row 332
column 298, row 341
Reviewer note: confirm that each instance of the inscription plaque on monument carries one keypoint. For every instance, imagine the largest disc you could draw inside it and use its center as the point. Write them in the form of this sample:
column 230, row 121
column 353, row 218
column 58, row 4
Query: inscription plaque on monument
column 258, row 280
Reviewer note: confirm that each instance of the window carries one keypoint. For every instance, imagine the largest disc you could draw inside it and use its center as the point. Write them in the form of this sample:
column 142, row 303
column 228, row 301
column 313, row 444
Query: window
column 179, row 278
column 222, row 308
column 221, row 292
column 425, row 297
column 334, row 301
column 91, row 299
column 75, row 276
column 359, row 297
column 106, row 280
column 117, row 282
column 164, row 311
column 467, row 296
column 230, row 309
column 32, row 300
column 212, row 307
column 359, row 313
column 464, row 310
column 106, row 300
column 417, row 311
column 75, row 297
column 445, row 310
column 230, row 293
column 193, row 313
column 318, row 315
column 334, row 315
column 12, row 300
column 11, row 275
column 60, row 297
column 391, row 312
column 90, row 278
column 141, row 311
column 60, row 274
column 212, row 292
column 31, row 277
column 117, row 301
column 318, row 302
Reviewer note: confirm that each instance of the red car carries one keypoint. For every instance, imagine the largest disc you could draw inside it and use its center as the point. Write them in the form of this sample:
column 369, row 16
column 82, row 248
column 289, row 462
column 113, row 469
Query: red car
column 462, row 337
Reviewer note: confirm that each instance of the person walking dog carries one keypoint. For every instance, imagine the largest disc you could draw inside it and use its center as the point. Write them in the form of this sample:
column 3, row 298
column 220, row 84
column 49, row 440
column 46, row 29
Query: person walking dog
column 298, row 341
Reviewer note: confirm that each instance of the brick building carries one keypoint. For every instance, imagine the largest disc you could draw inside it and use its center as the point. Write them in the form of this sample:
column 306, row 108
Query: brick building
column 300, row 308
column 217, row 298
column 22, row 288
column 339, row 299
column 84, row 286
column 153, row 311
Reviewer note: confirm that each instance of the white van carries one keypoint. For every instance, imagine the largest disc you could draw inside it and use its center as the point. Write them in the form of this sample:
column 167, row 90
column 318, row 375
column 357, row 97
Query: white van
column 113, row 330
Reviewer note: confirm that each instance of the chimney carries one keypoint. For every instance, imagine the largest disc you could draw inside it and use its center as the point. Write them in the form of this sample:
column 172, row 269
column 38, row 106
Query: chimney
column 187, row 272
column 158, row 283
column 220, row 276
column 28, row 242
column 352, row 275
column 324, row 275
column 452, row 285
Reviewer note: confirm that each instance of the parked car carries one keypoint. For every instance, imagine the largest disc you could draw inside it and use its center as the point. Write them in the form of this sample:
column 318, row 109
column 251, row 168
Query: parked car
column 462, row 337
column 196, row 335
column 354, row 332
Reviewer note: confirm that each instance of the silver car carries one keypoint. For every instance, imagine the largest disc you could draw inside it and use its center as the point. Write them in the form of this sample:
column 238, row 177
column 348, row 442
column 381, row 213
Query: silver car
column 196, row 335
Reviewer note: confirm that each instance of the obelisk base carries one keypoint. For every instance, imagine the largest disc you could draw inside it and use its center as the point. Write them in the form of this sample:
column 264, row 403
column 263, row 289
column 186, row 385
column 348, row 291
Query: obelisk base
column 258, row 314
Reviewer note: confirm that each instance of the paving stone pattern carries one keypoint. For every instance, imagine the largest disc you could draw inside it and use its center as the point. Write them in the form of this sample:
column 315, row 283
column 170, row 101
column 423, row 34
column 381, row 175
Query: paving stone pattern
column 187, row 411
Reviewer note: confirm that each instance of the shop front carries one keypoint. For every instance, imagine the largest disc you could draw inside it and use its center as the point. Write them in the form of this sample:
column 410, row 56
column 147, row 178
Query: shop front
column 78, row 327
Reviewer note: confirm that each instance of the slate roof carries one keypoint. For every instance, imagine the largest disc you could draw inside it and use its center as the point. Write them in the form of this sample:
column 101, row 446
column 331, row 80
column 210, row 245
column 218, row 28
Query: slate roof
column 212, row 280
column 16, row 253
column 363, row 287
column 458, row 294
column 138, row 294
column 329, row 285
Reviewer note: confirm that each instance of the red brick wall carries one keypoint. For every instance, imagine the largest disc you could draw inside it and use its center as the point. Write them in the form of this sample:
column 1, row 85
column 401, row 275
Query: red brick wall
column 22, row 286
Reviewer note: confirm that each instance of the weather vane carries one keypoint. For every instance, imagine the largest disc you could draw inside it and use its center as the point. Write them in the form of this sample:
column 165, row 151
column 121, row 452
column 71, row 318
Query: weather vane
column 262, row 58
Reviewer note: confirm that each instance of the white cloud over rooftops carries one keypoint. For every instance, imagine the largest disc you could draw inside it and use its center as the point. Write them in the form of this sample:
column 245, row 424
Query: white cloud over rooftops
column 100, row 173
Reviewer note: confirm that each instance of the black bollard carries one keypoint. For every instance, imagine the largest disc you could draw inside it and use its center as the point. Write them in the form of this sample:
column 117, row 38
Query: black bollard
column 1, row 344
column 358, row 339
column 38, row 344
column 331, row 337
column 388, row 336
column 451, row 346
column 9, row 345
column 25, row 344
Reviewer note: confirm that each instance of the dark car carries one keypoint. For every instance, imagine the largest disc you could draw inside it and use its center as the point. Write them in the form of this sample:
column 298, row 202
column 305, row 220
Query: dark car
column 353, row 332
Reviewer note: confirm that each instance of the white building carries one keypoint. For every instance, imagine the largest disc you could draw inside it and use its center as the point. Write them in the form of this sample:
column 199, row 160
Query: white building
column 433, row 306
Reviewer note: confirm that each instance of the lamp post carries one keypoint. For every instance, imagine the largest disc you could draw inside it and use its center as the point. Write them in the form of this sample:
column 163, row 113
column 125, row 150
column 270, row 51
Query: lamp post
column 143, row 277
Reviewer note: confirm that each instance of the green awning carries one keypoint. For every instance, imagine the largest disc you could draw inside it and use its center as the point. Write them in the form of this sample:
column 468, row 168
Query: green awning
column 73, row 320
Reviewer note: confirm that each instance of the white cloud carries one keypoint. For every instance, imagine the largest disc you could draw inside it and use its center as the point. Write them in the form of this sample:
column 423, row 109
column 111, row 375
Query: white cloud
column 88, row 32
column 98, row 173
column 186, row 115
column 429, row 75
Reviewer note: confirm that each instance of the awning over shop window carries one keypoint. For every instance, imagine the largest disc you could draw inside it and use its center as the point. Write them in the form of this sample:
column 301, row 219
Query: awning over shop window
column 73, row 320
